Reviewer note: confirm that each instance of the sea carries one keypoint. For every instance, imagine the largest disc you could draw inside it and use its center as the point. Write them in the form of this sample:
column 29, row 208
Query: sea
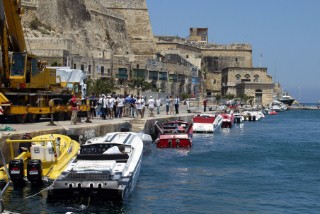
column 267, row 166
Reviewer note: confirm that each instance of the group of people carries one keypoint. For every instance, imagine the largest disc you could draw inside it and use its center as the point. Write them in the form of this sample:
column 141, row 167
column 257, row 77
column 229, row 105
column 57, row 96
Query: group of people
column 118, row 106
column 172, row 105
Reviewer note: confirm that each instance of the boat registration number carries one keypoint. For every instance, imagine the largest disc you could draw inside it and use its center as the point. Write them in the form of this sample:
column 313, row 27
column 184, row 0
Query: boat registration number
column 15, row 172
column 33, row 172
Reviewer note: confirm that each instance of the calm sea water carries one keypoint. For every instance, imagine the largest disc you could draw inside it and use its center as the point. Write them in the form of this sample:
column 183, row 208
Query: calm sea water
column 269, row 166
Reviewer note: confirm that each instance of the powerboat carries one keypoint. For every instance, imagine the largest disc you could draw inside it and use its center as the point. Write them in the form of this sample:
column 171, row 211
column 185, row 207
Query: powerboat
column 175, row 125
column 206, row 123
column 98, row 174
column 181, row 137
column 238, row 118
column 228, row 120
column 41, row 158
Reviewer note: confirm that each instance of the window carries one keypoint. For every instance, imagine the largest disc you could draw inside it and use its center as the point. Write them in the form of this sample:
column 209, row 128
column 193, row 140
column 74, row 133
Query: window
column 238, row 77
column 256, row 78
column 137, row 65
column 82, row 67
column 74, row 66
column 102, row 70
column 89, row 69
column 109, row 71
column 247, row 76
column 187, row 56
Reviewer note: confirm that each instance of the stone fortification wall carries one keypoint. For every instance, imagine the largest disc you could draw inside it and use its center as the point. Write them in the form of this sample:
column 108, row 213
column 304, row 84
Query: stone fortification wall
column 138, row 24
column 89, row 26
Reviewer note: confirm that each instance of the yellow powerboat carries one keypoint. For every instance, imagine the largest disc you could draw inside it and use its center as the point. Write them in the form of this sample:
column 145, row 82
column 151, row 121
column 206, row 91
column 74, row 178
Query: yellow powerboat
column 41, row 158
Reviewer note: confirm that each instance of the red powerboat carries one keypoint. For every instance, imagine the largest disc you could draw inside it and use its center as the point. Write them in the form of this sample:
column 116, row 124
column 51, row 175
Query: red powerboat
column 180, row 137
column 175, row 125
column 228, row 120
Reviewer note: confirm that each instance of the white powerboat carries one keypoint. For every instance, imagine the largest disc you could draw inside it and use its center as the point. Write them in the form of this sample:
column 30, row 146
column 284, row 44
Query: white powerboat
column 98, row 174
column 206, row 123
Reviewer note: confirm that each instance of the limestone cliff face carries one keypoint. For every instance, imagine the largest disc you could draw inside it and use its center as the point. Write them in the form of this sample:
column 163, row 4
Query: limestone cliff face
column 89, row 26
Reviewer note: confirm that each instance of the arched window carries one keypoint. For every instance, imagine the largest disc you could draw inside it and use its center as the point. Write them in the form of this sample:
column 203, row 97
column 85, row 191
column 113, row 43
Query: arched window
column 256, row 78
column 247, row 76
column 238, row 77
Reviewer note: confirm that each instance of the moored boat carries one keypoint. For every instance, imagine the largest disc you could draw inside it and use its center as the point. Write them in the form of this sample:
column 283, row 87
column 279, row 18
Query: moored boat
column 272, row 112
column 286, row 99
column 101, row 171
column 206, row 123
column 228, row 120
column 175, row 125
column 181, row 137
column 238, row 118
column 174, row 141
column 41, row 158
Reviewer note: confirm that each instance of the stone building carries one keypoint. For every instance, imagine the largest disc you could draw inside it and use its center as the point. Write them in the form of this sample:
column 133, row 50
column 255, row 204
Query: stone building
column 253, row 82
column 114, row 39
column 103, row 38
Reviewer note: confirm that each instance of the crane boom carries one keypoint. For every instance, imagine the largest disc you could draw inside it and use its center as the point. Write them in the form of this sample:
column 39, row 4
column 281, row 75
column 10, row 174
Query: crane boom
column 12, row 9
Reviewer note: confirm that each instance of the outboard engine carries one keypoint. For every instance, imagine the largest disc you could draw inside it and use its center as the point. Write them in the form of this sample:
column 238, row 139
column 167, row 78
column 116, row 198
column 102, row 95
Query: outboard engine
column 16, row 171
column 34, row 171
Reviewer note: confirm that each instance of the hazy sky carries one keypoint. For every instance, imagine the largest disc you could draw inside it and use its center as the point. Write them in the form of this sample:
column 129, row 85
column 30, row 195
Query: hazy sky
column 285, row 32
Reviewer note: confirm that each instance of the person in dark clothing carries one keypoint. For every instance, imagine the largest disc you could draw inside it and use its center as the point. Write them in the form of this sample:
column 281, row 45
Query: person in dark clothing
column 93, row 103
column 176, row 104
column 205, row 105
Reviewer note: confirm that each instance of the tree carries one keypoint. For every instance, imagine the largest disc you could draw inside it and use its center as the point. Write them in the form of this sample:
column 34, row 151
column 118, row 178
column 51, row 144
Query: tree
column 229, row 96
column 140, row 82
column 218, row 98
column 245, row 98
column 100, row 86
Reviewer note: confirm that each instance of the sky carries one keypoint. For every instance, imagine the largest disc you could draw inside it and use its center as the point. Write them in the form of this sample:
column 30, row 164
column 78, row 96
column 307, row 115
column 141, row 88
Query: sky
column 286, row 33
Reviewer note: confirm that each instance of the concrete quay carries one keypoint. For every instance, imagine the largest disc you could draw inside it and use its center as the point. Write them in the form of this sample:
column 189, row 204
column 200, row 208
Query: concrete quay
column 83, row 131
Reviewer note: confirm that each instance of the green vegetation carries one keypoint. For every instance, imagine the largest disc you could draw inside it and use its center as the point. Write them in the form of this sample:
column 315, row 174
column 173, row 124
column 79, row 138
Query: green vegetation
column 55, row 64
column 140, row 82
column 184, row 96
column 246, row 99
column 100, row 86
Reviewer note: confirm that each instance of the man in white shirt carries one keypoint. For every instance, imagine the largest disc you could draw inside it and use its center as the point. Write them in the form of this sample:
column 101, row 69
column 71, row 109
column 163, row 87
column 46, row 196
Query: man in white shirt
column 110, row 106
column 120, row 102
column 158, row 104
column 151, row 106
column 139, row 106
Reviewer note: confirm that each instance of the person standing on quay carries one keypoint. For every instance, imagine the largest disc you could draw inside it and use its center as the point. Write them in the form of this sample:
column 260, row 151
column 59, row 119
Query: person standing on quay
column 158, row 104
column 120, row 102
column 176, row 104
column 151, row 106
column 167, row 105
column 205, row 105
column 74, row 108
column 171, row 105
column 93, row 105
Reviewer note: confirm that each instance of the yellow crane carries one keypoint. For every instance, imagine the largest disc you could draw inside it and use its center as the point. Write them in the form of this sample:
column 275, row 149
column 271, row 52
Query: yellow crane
column 27, row 86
